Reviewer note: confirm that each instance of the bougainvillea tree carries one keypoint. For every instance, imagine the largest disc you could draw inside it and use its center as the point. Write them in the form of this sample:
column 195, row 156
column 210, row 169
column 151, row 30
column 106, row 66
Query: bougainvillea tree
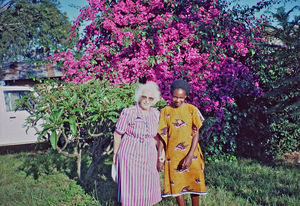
column 163, row 40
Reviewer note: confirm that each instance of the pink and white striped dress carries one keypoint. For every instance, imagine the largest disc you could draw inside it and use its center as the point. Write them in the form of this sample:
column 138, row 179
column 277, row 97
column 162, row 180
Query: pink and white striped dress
column 138, row 178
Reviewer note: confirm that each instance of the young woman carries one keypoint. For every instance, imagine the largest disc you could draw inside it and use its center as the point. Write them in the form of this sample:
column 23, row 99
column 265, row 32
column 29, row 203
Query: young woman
column 184, row 163
column 135, row 155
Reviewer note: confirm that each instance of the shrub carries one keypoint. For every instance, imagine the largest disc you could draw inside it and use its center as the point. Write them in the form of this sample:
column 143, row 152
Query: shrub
column 75, row 116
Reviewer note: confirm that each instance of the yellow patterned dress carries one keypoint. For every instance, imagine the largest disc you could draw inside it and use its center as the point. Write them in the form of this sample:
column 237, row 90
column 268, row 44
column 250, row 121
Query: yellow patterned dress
column 176, row 127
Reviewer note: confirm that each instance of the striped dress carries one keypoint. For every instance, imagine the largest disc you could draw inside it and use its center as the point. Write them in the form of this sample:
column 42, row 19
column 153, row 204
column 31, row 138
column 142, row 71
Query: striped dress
column 138, row 178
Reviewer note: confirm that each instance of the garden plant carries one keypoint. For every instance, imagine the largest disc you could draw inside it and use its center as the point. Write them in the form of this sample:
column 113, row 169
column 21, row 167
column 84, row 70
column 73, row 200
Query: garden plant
column 224, row 54
column 244, row 82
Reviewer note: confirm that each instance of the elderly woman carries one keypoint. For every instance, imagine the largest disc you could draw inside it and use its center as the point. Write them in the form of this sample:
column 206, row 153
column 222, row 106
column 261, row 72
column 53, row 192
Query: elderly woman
column 135, row 155
column 178, row 127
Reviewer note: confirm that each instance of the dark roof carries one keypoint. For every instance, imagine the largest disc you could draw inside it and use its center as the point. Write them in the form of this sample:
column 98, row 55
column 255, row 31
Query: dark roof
column 22, row 70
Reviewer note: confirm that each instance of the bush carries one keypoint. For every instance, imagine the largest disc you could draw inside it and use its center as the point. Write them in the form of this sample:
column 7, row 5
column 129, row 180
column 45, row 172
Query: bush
column 75, row 116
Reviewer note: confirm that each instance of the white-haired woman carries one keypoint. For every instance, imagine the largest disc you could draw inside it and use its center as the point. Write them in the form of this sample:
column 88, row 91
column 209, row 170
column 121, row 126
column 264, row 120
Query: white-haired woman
column 135, row 153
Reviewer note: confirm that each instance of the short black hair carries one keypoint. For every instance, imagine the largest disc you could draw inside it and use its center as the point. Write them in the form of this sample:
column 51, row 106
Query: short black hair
column 180, row 84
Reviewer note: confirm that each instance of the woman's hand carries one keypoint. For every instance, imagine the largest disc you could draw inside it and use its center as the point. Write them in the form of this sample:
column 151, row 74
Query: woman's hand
column 160, row 166
column 117, row 141
column 160, row 153
column 187, row 161
column 115, row 158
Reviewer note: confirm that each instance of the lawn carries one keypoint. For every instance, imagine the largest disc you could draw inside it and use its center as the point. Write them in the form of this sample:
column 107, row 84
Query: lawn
column 48, row 179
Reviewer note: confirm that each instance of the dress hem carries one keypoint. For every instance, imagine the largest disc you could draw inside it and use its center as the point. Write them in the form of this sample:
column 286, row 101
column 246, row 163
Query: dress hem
column 153, row 203
column 182, row 193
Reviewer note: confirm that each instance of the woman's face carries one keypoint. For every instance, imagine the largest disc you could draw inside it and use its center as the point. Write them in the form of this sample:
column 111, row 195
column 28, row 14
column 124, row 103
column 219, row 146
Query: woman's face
column 178, row 97
column 146, row 100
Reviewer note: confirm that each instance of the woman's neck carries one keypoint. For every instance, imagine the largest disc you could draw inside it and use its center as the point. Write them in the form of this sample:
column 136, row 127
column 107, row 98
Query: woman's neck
column 173, row 105
column 145, row 111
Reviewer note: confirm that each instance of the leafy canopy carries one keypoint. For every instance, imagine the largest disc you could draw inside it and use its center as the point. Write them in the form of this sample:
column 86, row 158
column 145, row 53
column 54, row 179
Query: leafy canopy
column 31, row 30
column 164, row 40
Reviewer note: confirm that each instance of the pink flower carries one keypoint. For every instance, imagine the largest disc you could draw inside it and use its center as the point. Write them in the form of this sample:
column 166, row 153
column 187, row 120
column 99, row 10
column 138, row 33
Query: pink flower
column 127, row 39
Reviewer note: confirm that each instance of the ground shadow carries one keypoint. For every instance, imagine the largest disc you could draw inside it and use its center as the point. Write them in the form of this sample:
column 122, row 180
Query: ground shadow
column 99, row 185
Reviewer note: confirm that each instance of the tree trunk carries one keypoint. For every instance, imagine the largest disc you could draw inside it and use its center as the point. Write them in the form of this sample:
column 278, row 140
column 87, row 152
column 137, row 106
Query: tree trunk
column 78, row 161
column 92, row 167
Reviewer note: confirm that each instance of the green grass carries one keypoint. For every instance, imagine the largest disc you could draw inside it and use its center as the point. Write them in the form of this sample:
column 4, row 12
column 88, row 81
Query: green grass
column 17, row 188
column 248, row 182
column 48, row 179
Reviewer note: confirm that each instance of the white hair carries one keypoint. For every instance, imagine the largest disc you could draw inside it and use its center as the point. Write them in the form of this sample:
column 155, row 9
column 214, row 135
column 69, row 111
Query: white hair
column 150, row 86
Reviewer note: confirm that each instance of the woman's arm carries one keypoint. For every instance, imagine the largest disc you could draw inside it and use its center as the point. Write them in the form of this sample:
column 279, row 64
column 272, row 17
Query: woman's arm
column 160, row 153
column 188, row 159
column 117, row 141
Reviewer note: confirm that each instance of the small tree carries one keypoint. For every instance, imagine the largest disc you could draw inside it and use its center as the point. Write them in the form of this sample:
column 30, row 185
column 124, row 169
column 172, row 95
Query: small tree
column 31, row 30
column 272, row 126
column 74, row 116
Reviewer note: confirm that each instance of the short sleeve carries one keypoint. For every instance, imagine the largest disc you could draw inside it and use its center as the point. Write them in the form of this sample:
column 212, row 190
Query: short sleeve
column 163, row 125
column 197, row 118
column 122, row 123
column 156, row 115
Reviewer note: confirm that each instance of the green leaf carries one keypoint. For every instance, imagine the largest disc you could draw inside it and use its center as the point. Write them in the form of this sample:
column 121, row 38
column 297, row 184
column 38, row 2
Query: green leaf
column 252, row 52
column 53, row 139
column 114, row 119
column 93, row 61
column 74, row 99
column 72, row 121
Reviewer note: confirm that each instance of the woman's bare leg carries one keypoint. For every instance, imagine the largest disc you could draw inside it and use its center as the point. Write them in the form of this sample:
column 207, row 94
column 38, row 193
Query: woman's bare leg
column 195, row 200
column 180, row 200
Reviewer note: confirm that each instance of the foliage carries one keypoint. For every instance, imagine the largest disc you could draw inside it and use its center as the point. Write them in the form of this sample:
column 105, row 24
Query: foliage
column 282, row 108
column 31, row 30
column 224, row 55
column 162, row 40
column 240, row 182
column 52, row 187
column 283, row 97
column 272, row 125
column 50, row 162
column 284, row 38
column 221, row 145
column 74, row 116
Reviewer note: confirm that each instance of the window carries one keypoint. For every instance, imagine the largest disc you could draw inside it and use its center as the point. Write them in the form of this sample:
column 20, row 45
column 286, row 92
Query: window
column 11, row 98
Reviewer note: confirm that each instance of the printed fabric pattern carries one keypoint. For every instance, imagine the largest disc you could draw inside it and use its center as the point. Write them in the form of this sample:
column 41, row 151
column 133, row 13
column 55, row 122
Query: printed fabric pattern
column 177, row 127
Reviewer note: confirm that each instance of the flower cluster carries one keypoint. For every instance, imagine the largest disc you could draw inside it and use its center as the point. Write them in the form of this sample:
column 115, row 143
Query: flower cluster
column 164, row 40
